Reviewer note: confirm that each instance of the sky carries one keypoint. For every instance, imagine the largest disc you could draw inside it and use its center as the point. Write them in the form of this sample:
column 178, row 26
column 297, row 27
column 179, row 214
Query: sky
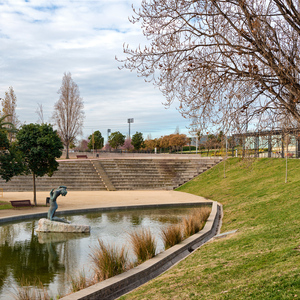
column 41, row 40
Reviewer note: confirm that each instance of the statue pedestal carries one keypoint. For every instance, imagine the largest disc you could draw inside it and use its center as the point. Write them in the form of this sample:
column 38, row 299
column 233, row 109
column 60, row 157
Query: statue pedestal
column 45, row 225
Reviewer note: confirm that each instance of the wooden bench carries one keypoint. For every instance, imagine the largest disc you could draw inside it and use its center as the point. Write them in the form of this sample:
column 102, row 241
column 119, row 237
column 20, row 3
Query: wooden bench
column 21, row 203
column 81, row 156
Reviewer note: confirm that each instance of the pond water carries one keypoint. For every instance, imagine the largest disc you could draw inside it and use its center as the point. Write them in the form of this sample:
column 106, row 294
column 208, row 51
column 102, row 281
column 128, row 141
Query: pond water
column 50, row 258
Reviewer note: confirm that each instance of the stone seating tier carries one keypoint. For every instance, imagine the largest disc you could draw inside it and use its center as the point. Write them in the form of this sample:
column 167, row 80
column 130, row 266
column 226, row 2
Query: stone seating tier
column 116, row 174
column 74, row 175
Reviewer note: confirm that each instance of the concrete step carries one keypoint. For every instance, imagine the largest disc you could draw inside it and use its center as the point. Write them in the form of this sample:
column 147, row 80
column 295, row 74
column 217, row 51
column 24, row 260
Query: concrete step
column 119, row 174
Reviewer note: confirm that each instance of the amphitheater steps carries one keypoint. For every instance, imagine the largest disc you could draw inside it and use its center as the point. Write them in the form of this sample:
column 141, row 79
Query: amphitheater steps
column 73, row 174
column 133, row 174
column 116, row 174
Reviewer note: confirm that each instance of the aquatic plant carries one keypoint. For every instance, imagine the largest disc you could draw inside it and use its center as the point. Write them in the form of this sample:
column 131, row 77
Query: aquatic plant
column 144, row 244
column 108, row 261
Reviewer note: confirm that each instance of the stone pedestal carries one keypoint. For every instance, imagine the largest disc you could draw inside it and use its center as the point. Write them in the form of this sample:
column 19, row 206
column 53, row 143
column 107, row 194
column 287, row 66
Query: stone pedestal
column 45, row 225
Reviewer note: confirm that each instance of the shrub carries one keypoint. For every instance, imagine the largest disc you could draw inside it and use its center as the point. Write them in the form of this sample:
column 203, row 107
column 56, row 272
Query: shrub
column 108, row 261
column 144, row 244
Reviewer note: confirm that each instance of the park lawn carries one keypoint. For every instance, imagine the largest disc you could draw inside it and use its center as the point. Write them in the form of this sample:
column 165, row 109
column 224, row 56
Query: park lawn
column 5, row 205
column 262, row 259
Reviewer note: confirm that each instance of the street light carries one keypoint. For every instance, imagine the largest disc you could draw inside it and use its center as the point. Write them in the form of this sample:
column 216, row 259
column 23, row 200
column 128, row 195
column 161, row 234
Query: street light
column 129, row 121
column 108, row 132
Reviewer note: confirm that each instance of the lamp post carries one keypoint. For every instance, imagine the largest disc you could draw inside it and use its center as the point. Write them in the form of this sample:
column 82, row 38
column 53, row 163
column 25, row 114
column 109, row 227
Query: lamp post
column 108, row 132
column 129, row 121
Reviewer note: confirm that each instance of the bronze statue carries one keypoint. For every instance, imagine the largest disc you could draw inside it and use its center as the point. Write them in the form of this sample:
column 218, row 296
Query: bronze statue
column 62, row 190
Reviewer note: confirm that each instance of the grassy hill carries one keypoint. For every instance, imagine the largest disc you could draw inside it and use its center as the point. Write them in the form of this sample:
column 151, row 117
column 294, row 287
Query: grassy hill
column 262, row 259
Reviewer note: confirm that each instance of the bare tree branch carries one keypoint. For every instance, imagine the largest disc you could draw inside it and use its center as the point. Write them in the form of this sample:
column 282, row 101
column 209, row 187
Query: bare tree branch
column 220, row 58
column 68, row 111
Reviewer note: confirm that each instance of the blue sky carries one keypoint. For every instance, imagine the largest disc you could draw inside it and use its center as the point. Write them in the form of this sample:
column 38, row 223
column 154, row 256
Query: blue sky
column 40, row 40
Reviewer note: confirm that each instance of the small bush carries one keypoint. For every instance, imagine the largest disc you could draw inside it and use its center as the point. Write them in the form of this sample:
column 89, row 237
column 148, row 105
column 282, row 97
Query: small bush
column 171, row 235
column 108, row 261
column 188, row 148
column 144, row 244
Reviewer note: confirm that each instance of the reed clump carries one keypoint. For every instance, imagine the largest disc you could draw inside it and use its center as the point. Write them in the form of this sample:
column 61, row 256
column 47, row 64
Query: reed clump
column 79, row 282
column 108, row 261
column 171, row 235
column 195, row 222
column 27, row 292
column 190, row 225
column 144, row 244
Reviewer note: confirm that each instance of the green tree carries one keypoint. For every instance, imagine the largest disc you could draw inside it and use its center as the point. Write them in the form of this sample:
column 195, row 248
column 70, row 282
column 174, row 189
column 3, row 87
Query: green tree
column 4, row 143
column 10, row 159
column 137, row 141
column 116, row 139
column 39, row 145
column 96, row 140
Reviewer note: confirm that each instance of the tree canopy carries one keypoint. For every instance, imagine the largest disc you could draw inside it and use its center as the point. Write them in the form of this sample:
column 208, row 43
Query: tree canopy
column 137, row 141
column 228, row 62
column 96, row 140
column 116, row 139
column 10, row 159
column 39, row 146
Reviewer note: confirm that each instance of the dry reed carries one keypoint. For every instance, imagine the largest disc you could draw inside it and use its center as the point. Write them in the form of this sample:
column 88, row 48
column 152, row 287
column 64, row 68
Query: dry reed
column 195, row 222
column 144, row 244
column 171, row 235
column 27, row 292
column 79, row 282
column 108, row 261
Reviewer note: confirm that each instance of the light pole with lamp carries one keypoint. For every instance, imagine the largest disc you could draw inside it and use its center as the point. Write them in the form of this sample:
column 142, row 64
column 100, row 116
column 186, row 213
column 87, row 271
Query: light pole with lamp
column 129, row 121
column 108, row 132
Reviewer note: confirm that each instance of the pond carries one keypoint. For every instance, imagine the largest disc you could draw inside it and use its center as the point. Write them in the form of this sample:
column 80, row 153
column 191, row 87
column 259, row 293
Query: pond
column 49, row 259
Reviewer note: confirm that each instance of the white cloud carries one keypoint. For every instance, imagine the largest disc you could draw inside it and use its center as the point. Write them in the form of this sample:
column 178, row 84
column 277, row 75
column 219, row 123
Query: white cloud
column 40, row 40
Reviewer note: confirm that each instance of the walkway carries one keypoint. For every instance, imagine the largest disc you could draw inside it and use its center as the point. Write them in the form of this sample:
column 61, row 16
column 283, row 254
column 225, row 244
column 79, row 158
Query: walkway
column 96, row 199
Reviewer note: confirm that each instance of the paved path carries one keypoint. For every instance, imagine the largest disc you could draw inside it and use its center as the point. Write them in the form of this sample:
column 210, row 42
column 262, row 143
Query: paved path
column 96, row 199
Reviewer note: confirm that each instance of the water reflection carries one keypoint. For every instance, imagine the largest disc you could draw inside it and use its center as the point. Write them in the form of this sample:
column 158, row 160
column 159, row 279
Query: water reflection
column 50, row 258
column 26, row 257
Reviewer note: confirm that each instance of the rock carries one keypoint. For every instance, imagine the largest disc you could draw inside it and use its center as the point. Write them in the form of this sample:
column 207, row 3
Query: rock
column 45, row 225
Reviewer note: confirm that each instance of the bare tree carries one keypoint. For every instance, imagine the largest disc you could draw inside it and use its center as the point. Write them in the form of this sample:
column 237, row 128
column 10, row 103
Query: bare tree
column 68, row 111
column 222, row 58
column 40, row 112
column 9, row 105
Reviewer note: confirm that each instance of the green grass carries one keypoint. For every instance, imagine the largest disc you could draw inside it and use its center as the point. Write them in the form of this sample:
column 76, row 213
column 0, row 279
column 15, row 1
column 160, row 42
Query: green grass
column 5, row 205
column 261, row 260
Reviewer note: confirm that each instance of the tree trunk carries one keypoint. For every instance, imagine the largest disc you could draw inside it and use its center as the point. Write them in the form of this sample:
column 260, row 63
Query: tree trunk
column 34, row 189
column 67, row 156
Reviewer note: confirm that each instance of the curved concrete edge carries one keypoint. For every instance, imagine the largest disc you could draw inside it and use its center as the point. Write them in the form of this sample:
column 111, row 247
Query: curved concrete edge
column 25, row 217
column 119, row 285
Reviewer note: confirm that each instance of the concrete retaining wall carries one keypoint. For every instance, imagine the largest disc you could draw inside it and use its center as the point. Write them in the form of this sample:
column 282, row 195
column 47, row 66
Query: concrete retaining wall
column 114, row 287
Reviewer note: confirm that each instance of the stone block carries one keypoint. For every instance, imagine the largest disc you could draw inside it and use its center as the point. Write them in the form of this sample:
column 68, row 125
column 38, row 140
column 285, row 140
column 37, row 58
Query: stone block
column 46, row 225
